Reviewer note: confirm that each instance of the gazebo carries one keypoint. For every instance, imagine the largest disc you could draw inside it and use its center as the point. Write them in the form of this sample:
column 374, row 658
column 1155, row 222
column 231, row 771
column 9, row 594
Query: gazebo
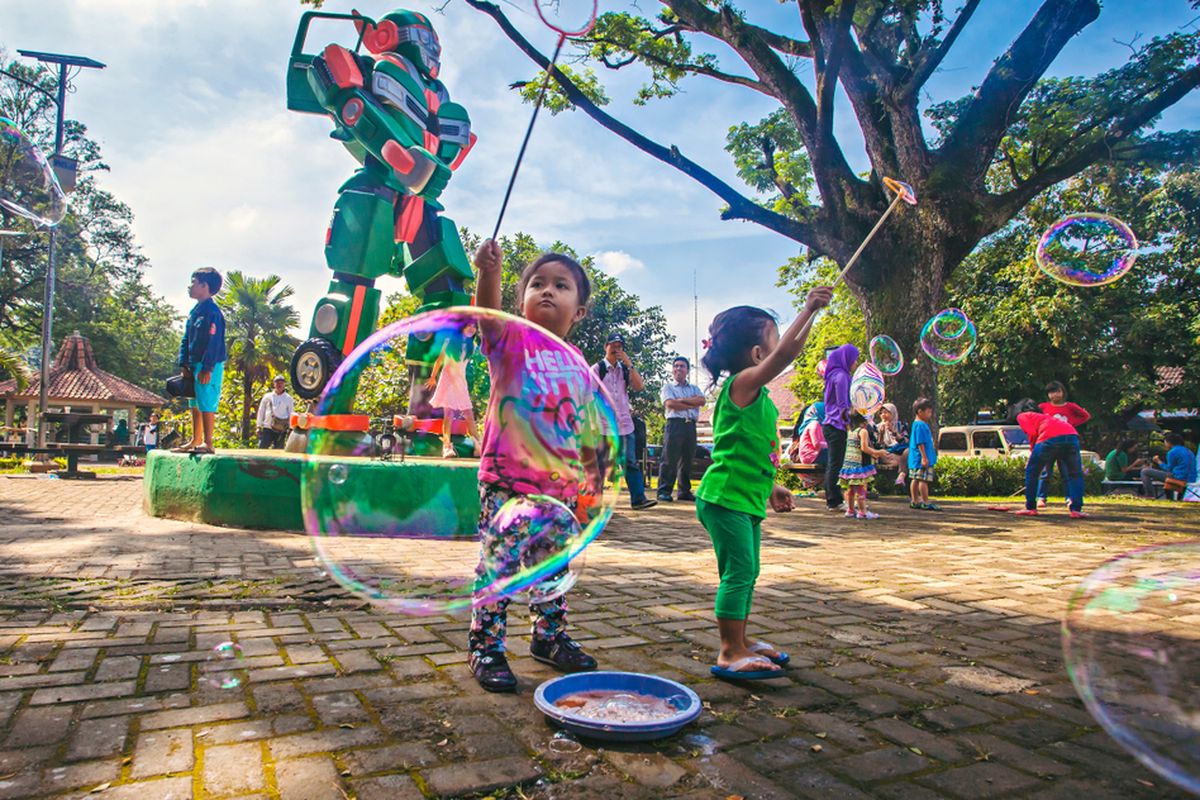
column 76, row 384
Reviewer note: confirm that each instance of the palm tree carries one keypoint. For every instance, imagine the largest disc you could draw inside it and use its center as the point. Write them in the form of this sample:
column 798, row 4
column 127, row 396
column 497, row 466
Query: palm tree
column 14, row 365
column 257, row 321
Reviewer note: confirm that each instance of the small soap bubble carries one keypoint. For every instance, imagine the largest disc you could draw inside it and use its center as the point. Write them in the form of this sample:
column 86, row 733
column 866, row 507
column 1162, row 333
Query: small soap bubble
column 225, row 667
column 564, row 742
column 337, row 474
column 866, row 389
column 948, row 336
column 886, row 355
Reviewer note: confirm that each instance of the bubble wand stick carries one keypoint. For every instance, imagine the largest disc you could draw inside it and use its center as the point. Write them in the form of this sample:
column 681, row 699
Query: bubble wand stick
column 564, row 32
column 903, row 192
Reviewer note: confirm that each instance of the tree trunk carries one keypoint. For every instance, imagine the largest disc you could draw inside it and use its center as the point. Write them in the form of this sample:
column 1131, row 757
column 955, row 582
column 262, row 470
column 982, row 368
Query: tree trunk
column 900, row 305
column 247, row 396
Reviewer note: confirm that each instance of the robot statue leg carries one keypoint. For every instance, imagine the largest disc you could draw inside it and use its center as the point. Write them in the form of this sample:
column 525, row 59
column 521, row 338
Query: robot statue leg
column 358, row 249
column 430, row 256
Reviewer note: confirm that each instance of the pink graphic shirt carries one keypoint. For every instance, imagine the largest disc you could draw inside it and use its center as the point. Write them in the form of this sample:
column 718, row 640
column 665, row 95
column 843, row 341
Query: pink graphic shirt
column 614, row 381
column 541, row 404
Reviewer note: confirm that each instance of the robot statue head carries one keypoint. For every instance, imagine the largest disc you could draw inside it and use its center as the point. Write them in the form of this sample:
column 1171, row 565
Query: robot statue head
column 405, row 33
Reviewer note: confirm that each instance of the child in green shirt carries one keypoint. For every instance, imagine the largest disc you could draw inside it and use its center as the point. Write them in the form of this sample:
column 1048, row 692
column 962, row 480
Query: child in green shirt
column 733, row 496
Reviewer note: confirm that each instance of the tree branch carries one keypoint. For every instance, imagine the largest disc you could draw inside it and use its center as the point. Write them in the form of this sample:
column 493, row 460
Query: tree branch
column 932, row 58
column 967, row 151
column 1011, row 202
column 832, row 173
column 740, row 207
column 696, row 69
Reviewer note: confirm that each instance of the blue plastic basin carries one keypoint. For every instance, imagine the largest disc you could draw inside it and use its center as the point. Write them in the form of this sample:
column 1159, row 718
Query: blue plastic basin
column 686, row 701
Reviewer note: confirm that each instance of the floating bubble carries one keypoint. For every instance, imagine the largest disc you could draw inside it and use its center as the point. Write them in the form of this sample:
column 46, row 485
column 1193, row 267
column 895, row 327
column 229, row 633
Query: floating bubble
column 28, row 186
column 225, row 667
column 568, row 17
column 886, row 355
column 1132, row 650
column 866, row 389
column 405, row 533
column 1087, row 250
column 948, row 336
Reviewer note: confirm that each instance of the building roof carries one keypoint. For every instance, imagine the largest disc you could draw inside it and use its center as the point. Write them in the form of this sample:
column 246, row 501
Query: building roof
column 75, row 378
column 1169, row 377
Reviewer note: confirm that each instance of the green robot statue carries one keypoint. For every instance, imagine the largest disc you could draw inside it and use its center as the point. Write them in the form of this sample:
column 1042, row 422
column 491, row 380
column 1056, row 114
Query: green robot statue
column 395, row 117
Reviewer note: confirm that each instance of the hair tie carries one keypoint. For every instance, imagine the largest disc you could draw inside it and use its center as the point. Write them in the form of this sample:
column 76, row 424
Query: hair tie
column 707, row 343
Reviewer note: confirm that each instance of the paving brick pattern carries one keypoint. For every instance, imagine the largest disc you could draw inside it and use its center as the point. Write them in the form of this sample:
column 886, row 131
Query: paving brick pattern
column 108, row 619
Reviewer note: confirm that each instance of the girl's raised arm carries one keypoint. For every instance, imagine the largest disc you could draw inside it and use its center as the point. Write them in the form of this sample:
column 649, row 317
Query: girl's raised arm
column 749, row 381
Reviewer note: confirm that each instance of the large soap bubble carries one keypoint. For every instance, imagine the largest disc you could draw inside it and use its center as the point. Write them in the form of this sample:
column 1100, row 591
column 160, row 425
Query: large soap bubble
column 1132, row 650
column 886, row 355
column 948, row 336
column 403, row 530
column 1087, row 249
column 28, row 186
column 866, row 389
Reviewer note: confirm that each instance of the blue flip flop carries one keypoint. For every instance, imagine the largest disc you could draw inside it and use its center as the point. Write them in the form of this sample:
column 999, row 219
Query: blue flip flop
column 780, row 660
column 731, row 673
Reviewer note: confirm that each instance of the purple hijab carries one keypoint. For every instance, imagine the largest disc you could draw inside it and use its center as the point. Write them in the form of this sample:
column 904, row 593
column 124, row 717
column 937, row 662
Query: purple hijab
column 837, row 385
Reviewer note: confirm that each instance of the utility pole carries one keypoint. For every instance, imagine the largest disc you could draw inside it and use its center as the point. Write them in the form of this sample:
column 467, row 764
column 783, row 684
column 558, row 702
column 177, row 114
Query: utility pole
column 695, row 330
column 63, row 62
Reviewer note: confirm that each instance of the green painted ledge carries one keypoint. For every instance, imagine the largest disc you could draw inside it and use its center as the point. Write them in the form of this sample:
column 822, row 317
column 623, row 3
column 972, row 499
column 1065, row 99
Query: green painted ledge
column 261, row 488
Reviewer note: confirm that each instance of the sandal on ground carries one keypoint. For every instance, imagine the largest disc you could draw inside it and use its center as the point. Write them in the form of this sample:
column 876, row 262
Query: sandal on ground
column 202, row 450
column 1079, row 515
column 1027, row 512
column 762, row 647
column 184, row 448
column 868, row 515
column 563, row 653
column 734, row 671
column 930, row 507
column 492, row 672
column 849, row 514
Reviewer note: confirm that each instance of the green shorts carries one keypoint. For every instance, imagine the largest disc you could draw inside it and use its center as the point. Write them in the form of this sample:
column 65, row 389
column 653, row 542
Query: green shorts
column 208, row 395
column 736, row 538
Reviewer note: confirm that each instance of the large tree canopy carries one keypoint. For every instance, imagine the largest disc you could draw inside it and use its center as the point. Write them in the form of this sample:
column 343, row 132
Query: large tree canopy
column 101, row 287
column 975, row 161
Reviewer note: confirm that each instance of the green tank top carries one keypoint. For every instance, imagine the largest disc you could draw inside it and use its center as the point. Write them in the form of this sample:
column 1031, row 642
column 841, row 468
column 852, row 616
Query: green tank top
column 745, row 454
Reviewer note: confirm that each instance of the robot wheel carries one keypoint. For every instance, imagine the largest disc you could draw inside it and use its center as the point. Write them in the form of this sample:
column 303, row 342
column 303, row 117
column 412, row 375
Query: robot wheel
column 313, row 364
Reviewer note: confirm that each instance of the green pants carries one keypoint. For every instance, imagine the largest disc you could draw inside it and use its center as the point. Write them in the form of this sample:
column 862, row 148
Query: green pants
column 736, row 537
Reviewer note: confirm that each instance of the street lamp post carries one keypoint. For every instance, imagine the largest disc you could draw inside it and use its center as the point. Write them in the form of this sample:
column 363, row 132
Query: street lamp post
column 63, row 61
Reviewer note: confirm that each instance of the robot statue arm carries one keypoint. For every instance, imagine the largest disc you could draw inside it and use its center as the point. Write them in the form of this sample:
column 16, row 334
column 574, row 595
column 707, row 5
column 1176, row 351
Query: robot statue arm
column 456, row 136
column 346, row 86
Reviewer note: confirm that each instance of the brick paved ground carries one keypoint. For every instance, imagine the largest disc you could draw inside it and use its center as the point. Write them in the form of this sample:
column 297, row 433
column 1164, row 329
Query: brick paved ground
column 107, row 617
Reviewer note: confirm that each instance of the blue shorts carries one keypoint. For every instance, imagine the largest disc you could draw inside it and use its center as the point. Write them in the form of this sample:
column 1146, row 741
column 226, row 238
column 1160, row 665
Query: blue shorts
column 208, row 395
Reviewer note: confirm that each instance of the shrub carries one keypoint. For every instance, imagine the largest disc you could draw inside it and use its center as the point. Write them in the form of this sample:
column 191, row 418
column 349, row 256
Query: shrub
column 1001, row 476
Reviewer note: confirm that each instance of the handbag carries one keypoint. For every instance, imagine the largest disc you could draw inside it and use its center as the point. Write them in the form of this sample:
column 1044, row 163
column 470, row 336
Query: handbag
column 182, row 385
column 280, row 424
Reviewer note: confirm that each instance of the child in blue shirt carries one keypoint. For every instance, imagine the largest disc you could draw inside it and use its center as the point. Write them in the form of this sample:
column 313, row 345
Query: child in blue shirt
column 202, row 353
column 1180, row 465
column 922, row 456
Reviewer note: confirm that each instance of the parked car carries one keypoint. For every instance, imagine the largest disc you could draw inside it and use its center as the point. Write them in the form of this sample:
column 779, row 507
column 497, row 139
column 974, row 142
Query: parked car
column 701, row 461
column 991, row 441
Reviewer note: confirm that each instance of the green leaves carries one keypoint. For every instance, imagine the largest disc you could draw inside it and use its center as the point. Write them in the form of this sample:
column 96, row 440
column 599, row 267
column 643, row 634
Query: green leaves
column 771, row 159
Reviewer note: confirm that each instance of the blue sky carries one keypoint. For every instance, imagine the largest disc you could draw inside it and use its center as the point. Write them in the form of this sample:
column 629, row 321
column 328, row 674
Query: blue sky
column 190, row 113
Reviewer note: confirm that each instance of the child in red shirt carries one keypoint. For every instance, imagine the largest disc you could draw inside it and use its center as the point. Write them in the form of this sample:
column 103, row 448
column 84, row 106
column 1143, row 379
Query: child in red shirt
column 1074, row 415
column 1052, row 439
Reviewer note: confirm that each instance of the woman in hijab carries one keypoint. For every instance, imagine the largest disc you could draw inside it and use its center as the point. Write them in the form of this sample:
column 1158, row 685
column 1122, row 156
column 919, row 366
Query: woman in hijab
column 893, row 437
column 808, row 443
column 839, row 366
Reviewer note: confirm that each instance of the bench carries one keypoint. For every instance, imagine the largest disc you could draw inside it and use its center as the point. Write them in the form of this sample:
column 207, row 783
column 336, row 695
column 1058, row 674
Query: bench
column 1122, row 487
column 72, row 452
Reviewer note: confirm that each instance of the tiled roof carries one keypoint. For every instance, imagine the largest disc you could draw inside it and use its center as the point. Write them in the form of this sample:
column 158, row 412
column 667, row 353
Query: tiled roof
column 75, row 376
column 1169, row 377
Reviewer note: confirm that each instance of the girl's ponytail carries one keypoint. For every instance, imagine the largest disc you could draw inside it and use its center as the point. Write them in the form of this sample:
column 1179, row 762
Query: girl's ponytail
column 732, row 334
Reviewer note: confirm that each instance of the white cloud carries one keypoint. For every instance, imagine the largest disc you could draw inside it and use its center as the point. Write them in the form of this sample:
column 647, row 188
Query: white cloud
column 616, row 262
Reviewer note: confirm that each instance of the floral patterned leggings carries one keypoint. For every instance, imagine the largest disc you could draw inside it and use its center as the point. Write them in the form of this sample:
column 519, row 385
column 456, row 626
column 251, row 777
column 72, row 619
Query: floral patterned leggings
column 489, row 621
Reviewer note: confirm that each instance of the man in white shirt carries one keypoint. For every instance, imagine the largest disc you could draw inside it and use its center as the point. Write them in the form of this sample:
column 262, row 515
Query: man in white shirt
column 620, row 377
column 683, row 402
column 274, row 415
